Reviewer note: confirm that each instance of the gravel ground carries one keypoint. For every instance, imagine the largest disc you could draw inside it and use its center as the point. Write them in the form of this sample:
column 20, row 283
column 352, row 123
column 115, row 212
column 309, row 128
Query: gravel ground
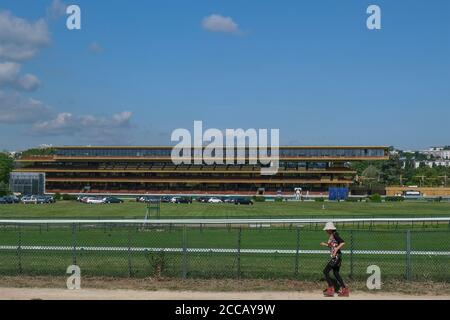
column 119, row 294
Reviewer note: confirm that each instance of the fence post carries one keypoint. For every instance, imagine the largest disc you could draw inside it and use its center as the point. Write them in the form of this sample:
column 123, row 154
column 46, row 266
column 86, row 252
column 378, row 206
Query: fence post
column 129, row 254
column 239, row 253
column 19, row 250
column 184, row 267
column 408, row 255
column 74, row 245
column 297, row 253
column 351, row 254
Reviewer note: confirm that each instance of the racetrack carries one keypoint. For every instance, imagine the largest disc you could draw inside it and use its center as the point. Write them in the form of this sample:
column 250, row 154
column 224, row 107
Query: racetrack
column 104, row 294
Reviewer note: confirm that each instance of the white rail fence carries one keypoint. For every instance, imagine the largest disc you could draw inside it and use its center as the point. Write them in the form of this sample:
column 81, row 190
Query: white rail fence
column 221, row 250
column 230, row 221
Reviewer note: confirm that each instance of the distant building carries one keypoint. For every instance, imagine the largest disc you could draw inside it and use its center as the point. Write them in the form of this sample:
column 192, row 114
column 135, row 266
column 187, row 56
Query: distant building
column 437, row 152
column 432, row 163
column 27, row 183
column 394, row 152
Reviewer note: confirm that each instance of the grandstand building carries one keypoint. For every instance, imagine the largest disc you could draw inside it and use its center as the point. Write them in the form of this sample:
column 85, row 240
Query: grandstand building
column 139, row 170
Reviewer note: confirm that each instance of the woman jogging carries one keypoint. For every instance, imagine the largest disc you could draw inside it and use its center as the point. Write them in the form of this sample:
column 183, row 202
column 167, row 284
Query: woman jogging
column 335, row 243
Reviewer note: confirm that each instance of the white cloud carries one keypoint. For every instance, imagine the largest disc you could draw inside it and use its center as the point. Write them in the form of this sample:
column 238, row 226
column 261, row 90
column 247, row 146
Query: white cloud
column 56, row 10
column 10, row 76
column 63, row 123
column 9, row 72
column 19, row 39
column 15, row 109
column 122, row 118
column 28, row 82
column 89, row 127
column 219, row 23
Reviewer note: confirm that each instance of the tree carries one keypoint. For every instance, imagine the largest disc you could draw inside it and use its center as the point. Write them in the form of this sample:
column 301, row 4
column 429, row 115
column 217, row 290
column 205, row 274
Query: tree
column 391, row 170
column 4, row 189
column 360, row 166
column 370, row 175
column 6, row 166
column 38, row 152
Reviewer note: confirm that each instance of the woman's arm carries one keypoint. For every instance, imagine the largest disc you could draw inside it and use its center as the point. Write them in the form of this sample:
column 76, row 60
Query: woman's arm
column 338, row 248
column 324, row 244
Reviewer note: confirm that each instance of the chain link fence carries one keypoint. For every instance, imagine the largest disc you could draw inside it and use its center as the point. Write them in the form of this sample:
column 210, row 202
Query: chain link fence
column 250, row 250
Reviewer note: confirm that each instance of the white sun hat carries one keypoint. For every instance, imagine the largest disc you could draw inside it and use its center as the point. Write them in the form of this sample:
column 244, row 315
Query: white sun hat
column 329, row 226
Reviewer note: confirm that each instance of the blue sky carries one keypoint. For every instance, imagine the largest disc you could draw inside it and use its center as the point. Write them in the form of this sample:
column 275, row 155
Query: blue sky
column 139, row 69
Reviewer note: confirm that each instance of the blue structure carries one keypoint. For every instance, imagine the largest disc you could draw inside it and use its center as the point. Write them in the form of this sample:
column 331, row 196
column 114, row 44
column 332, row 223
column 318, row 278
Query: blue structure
column 335, row 193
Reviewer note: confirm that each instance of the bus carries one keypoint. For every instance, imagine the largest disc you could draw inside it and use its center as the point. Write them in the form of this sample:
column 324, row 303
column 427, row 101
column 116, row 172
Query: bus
column 412, row 194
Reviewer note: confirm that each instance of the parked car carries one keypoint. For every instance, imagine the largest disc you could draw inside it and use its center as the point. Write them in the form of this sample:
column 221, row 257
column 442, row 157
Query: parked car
column 112, row 200
column 185, row 200
column 33, row 199
column 147, row 198
column 84, row 199
column 141, row 198
column 9, row 199
column 13, row 198
column 181, row 200
column 28, row 199
column 228, row 199
column 49, row 199
column 42, row 199
column 165, row 199
column 94, row 200
column 155, row 199
column 152, row 199
column 202, row 199
column 214, row 200
column 242, row 200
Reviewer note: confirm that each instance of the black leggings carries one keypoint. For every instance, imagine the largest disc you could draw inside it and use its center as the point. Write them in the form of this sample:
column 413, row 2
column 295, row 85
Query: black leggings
column 335, row 265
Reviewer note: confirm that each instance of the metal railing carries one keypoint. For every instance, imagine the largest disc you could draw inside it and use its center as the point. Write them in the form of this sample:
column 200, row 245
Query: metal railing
column 242, row 221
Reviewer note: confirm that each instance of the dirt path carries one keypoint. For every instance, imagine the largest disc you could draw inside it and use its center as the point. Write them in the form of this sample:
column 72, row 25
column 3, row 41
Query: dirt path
column 94, row 294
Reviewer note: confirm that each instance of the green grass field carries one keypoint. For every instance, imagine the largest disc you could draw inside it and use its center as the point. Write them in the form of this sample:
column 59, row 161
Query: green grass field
column 130, row 208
